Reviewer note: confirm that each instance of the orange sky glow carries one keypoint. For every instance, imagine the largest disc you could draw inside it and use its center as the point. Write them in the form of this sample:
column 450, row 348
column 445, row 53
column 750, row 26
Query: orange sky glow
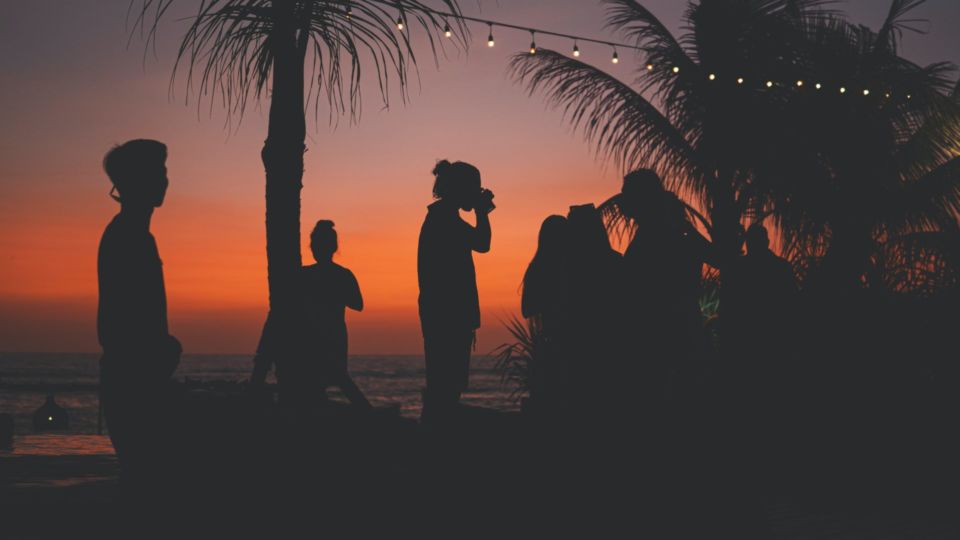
column 68, row 98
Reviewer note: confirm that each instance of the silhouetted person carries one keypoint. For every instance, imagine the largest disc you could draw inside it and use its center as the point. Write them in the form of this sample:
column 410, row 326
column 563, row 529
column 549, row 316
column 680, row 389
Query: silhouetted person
column 664, row 265
column 546, row 298
column 756, row 306
column 139, row 354
column 449, row 304
column 50, row 416
column 595, row 293
column 328, row 289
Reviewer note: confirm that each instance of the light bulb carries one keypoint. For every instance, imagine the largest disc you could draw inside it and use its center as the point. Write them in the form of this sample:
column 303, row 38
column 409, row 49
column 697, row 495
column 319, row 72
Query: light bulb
column 843, row 89
column 616, row 58
column 400, row 23
column 446, row 30
column 739, row 80
column 712, row 77
column 866, row 92
column 649, row 67
column 490, row 37
column 769, row 84
column 818, row 86
column 676, row 69
column 533, row 47
column 799, row 84
column 576, row 50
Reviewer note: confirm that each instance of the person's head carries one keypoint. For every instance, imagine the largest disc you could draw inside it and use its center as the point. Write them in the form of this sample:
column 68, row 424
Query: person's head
column 642, row 190
column 757, row 238
column 323, row 240
column 138, row 171
column 457, row 182
column 554, row 237
column 553, row 245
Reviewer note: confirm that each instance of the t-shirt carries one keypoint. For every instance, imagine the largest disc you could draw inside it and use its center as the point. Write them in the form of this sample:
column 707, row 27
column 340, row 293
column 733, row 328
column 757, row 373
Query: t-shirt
column 132, row 310
column 326, row 291
column 445, row 270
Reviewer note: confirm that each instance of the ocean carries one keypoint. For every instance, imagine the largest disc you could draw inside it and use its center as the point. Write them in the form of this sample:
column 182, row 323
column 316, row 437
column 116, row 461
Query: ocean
column 26, row 379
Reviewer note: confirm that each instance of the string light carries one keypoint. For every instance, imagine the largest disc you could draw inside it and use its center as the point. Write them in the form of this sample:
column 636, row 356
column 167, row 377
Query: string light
column 349, row 12
column 576, row 46
column 615, row 59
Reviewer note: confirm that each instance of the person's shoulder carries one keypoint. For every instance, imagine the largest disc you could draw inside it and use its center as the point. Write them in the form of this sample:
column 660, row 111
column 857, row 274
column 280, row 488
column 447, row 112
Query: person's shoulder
column 344, row 272
column 115, row 235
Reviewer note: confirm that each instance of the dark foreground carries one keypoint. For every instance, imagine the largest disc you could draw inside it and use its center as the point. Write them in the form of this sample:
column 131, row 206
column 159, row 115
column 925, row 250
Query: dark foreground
column 246, row 468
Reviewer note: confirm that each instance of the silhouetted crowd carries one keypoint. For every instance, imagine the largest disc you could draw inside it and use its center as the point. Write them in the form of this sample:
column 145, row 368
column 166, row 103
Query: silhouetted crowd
column 616, row 334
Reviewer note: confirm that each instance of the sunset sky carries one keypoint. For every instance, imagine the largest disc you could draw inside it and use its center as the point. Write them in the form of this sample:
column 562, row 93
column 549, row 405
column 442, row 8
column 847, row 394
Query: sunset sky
column 72, row 89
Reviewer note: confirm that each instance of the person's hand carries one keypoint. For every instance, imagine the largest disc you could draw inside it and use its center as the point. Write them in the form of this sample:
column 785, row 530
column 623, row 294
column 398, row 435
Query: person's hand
column 485, row 202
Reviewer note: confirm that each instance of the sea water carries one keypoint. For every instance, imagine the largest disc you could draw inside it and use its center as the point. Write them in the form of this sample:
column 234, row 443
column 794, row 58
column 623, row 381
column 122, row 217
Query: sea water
column 27, row 378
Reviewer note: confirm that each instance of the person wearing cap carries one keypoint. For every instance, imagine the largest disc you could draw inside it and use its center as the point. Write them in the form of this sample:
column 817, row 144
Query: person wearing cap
column 139, row 354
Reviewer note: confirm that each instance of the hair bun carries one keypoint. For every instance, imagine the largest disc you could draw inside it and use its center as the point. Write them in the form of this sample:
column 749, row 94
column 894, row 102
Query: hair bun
column 324, row 223
column 442, row 167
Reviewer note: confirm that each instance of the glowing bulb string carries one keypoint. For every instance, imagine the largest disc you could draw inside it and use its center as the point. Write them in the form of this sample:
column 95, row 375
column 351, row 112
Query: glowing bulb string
column 712, row 77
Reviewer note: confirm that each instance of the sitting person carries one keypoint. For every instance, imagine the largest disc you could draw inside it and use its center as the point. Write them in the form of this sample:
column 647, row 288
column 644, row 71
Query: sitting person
column 50, row 417
column 328, row 289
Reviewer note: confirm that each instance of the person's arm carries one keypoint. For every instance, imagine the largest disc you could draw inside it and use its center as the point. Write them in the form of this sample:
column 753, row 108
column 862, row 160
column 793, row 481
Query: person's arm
column 481, row 233
column 353, row 299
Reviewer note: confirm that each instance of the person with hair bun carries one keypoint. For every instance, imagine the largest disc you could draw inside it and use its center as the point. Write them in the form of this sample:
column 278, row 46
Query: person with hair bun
column 449, row 303
column 328, row 289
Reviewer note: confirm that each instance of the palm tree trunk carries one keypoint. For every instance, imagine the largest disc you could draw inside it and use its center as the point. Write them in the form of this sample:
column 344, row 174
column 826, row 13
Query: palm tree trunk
column 283, row 162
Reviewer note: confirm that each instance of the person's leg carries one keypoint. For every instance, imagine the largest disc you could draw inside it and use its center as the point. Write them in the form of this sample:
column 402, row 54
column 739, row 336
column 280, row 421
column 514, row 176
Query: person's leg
column 461, row 348
column 442, row 392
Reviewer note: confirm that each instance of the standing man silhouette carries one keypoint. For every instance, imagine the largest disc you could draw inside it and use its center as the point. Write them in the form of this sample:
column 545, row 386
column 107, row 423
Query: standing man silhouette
column 449, row 303
column 139, row 354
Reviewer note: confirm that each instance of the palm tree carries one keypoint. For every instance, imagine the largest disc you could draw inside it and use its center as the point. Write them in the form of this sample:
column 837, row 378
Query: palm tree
column 239, row 50
column 870, row 178
column 693, row 115
column 743, row 117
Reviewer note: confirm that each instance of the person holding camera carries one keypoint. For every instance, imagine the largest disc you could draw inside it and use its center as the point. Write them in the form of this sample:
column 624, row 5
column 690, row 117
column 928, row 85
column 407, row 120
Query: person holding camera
column 449, row 303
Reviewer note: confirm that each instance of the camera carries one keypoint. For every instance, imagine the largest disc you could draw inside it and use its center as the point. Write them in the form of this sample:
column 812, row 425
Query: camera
column 485, row 201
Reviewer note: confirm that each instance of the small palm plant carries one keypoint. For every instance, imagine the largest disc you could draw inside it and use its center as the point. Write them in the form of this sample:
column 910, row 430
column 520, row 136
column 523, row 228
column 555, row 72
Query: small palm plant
column 518, row 362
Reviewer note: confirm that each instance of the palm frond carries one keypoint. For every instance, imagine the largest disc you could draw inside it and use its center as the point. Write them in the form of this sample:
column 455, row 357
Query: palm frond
column 621, row 122
column 517, row 362
column 227, row 52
